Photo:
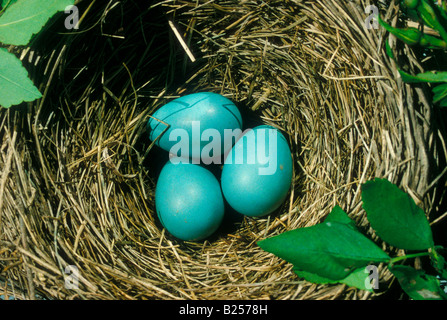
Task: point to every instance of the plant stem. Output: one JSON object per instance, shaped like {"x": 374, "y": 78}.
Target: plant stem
{"x": 408, "y": 256}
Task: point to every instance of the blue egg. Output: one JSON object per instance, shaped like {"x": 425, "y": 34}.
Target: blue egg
{"x": 189, "y": 201}
{"x": 257, "y": 172}
{"x": 198, "y": 124}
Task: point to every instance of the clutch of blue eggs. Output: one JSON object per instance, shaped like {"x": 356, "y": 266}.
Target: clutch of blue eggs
{"x": 204, "y": 129}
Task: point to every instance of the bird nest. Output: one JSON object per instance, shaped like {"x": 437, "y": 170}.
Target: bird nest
{"x": 79, "y": 172}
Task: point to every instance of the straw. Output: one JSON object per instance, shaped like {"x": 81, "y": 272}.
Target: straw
{"x": 78, "y": 172}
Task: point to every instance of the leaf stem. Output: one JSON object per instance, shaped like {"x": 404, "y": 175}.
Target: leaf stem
{"x": 408, "y": 256}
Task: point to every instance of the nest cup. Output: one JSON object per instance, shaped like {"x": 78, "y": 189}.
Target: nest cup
{"x": 77, "y": 212}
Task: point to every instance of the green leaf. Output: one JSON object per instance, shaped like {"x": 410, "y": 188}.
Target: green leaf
{"x": 411, "y": 13}
{"x": 440, "y": 89}
{"x": 438, "y": 261}
{"x": 357, "y": 278}
{"x": 338, "y": 215}
{"x": 431, "y": 15}
{"x": 417, "y": 284}
{"x": 395, "y": 217}
{"x": 26, "y": 18}
{"x": 431, "y": 42}
{"x": 440, "y": 92}
{"x": 312, "y": 277}
{"x": 431, "y": 77}
{"x": 6, "y": 3}
{"x": 410, "y": 36}
{"x": 329, "y": 250}
{"x": 389, "y": 51}
{"x": 442, "y": 9}
{"x": 15, "y": 86}
{"x": 413, "y": 36}
{"x": 443, "y": 102}
{"x": 426, "y": 14}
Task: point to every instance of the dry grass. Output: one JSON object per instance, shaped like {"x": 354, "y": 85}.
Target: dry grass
{"x": 78, "y": 174}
